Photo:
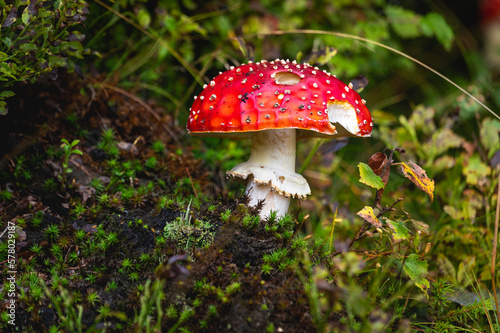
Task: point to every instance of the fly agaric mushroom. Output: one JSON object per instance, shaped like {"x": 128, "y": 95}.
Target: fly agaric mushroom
{"x": 274, "y": 103}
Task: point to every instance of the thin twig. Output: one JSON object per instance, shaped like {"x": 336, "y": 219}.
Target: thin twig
{"x": 494, "y": 250}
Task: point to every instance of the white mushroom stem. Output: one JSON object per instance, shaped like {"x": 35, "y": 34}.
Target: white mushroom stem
{"x": 270, "y": 171}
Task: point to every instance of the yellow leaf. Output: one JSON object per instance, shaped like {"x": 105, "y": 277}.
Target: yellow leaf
{"x": 368, "y": 214}
{"x": 418, "y": 176}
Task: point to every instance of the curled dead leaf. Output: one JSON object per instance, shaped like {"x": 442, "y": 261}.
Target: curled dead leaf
{"x": 377, "y": 162}
{"x": 418, "y": 177}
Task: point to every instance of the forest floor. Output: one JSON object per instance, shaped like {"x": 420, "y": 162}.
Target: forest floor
{"x": 91, "y": 226}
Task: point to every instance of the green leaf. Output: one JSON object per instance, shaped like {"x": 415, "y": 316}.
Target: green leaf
{"x": 466, "y": 271}
{"x": 399, "y": 231}
{"x": 403, "y": 21}
{"x": 417, "y": 271}
{"x": 28, "y": 47}
{"x": 27, "y": 14}
{"x": 447, "y": 268}
{"x": 489, "y": 133}
{"x": 7, "y": 41}
{"x": 368, "y": 177}
{"x": 55, "y": 61}
{"x": 6, "y": 94}
{"x": 144, "y": 18}
{"x": 4, "y": 109}
{"x": 3, "y": 56}
{"x": 475, "y": 170}
{"x": 435, "y": 24}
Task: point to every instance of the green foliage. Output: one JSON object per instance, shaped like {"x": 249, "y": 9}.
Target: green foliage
{"x": 37, "y": 39}
{"x": 379, "y": 270}
{"x": 407, "y": 24}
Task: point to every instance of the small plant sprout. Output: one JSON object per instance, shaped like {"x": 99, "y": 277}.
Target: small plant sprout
{"x": 68, "y": 150}
{"x": 52, "y": 232}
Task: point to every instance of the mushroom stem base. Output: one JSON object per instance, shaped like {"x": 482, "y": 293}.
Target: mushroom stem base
{"x": 273, "y": 201}
{"x": 270, "y": 171}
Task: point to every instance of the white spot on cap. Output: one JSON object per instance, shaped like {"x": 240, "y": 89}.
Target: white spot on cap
{"x": 204, "y": 86}
{"x": 195, "y": 97}
{"x": 244, "y": 80}
{"x": 363, "y": 101}
{"x": 343, "y": 95}
{"x": 315, "y": 85}
{"x": 230, "y": 78}
{"x": 328, "y": 81}
{"x": 350, "y": 85}
{"x": 202, "y": 97}
{"x": 212, "y": 83}
{"x": 212, "y": 97}
{"x": 346, "y": 88}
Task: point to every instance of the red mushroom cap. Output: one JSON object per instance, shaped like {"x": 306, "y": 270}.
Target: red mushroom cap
{"x": 275, "y": 95}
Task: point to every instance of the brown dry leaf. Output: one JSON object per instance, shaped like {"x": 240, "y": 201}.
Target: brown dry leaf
{"x": 418, "y": 177}
{"x": 368, "y": 214}
{"x": 377, "y": 162}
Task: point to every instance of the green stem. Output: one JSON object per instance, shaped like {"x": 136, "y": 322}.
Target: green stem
{"x": 310, "y": 156}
